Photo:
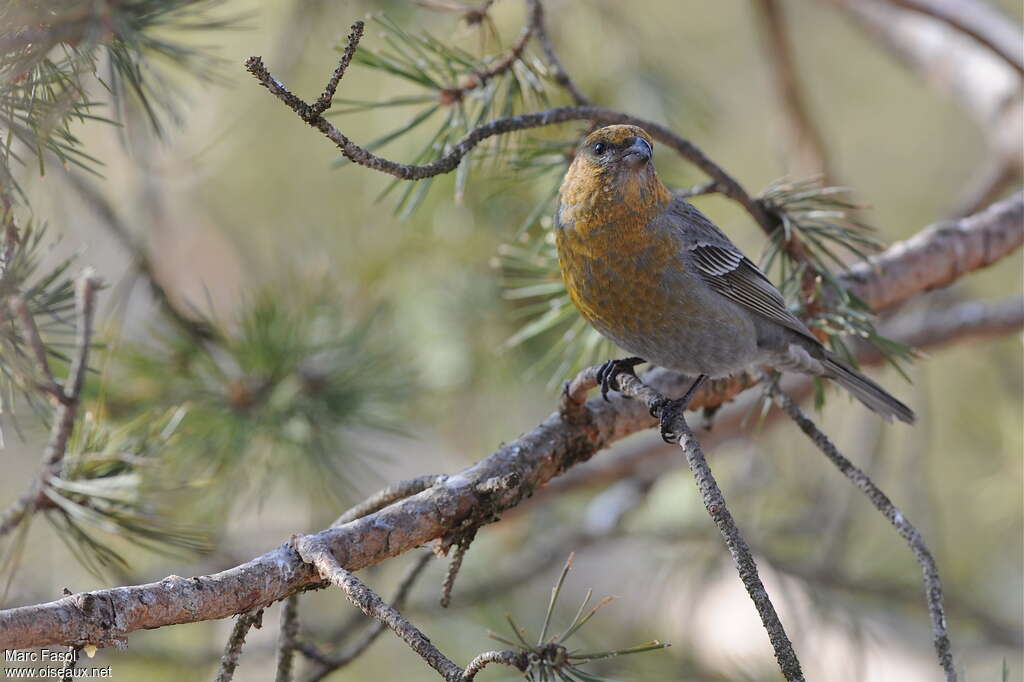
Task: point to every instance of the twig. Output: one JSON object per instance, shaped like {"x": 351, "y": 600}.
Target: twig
{"x": 233, "y": 649}
{"x": 782, "y": 64}
{"x": 561, "y": 75}
{"x": 500, "y": 66}
{"x": 514, "y": 659}
{"x": 453, "y": 567}
{"x": 393, "y": 493}
{"x": 932, "y": 584}
{"x": 714, "y": 502}
{"x": 140, "y": 257}
{"x": 287, "y": 636}
{"x": 709, "y": 187}
{"x": 331, "y": 661}
{"x": 449, "y": 161}
{"x": 314, "y": 551}
{"x": 64, "y": 418}
{"x": 978, "y": 20}
{"x": 323, "y": 102}
{"x": 69, "y": 668}
{"x": 35, "y": 341}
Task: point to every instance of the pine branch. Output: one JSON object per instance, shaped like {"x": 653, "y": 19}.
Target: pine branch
{"x": 939, "y": 255}
{"x": 502, "y": 126}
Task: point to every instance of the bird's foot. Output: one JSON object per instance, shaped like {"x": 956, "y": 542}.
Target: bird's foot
{"x": 670, "y": 412}
{"x": 607, "y": 373}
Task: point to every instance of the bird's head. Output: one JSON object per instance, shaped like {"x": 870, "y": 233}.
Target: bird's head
{"x": 618, "y": 150}
{"x": 614, "y": 164}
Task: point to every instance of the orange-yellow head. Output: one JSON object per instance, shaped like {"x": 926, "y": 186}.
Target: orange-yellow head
{"x": 612, "y": 174}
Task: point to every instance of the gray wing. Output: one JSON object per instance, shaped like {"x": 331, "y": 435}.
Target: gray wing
{"x": 726, "y": 270}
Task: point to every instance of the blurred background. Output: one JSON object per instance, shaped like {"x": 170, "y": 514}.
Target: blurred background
{"x": 399, "y": 304}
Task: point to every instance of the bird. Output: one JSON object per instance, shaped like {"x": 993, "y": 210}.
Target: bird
{"x": 654, "y": 275}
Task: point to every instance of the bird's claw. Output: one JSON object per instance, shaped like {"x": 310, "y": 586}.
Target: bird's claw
{"x": 670, "y": 412}
{"x": 607, "y": 373}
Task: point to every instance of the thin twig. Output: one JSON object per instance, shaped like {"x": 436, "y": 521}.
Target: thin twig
{"x": 393, "y": 493}
{"x": 453, "y": 567}
{"x": 449, "y": 161}
{"x": 932, "y": 584}
{"x": 323, "y": 102}
{"x": 35, "y": 341}
{"x": 314, "y": 551}
{"x": 514, "y": 659}
{"x": 143, "y": 264}
{"x": 498, "y": 67}
{"x": 714, "y": 502}
{"x": 11, "y": 233}
{"x": 782, "y": 64}
{"x": 35, "y": 498}
{"x": 561, "y": 75}
{"x": 69, "y": 668}
{"x": 333, "y": 660}
{"x": 709, "y": 187}
{"x": 978, "y": 20}
{"x": 233, "y": 649}
{"x": 287, "y": 636}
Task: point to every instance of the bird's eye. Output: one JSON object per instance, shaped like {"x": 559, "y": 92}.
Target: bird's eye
{"x": 600, "y": 148}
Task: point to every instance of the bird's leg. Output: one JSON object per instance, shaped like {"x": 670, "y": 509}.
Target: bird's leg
{"x": 668, "y": 411}
{"x": 607, "y": 373}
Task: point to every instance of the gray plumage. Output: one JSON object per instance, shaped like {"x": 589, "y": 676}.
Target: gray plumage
{"x": 751, "y": 325}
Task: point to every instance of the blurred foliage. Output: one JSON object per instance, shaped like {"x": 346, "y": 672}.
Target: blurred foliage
{"x": 288, "y": 382}
{"x": 111, "y": 481}
{"x": 52, "y": 52}
{"x": 48, "y": 295}
{"x": 276, "y": 399}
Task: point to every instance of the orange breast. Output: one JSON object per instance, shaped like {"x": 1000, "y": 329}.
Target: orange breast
{"x": 614, "y": 274}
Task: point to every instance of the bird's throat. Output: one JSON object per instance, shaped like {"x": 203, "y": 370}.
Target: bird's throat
{"x": 589, "y": 202}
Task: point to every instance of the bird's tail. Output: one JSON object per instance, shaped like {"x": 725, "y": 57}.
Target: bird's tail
{"x": 865, "y": 390}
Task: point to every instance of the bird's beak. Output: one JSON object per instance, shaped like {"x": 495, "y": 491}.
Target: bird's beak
{"x": 638, "y": 154}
